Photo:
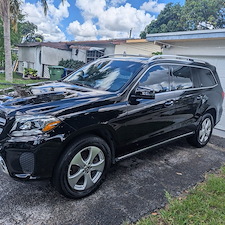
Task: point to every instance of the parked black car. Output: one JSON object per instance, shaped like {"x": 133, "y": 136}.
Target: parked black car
{"x": 72, "y": 130}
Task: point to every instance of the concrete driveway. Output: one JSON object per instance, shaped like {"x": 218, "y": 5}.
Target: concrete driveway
{"x": 134, "y": 188}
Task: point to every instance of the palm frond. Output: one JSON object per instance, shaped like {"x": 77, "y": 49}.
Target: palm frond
{"x": 14, "y": 12}
{"x": 45, "y": 6}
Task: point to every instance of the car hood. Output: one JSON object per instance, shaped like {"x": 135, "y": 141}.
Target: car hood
{"x": 48, "y": 97}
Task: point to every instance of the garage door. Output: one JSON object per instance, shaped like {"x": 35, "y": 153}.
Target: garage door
{"x": 219, "y": 63}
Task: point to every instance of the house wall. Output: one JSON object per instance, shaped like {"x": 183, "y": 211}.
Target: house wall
{"x": 40, "y": 58}
{"x": 109, "y": 50}
{"x": 212, "y": 51}
{"x": 52, "y": 56}
{"x": 81, "y": 56}
{"x": 27, "y": 58}
{"x": 146, "y": 48}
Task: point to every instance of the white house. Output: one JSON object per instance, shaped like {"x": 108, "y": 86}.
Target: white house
{"x": 208, "y": 45}
{"x": 40, "y": 56}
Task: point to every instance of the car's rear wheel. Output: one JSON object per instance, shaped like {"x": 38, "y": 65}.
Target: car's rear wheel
{"x": 203, "y": 132}
{"x": 83, "y": 167}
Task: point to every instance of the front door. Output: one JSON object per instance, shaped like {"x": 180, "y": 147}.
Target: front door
{"x": 151, "y": 120}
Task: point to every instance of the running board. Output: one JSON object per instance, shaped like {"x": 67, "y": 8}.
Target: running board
{"x": 152, "y": 146}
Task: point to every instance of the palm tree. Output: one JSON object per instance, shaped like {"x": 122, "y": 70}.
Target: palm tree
{"x": 9, "y": 11}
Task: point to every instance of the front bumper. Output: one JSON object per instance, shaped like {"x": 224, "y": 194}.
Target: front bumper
{"x": 30, "y": 157}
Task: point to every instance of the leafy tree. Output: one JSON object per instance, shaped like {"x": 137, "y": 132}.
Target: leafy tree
{"x": 168, "y": 20}
{"x": 10, "y": 10}
{"x": 195, "y": 14}
{"x": 23, "y": 28}
{"x": 203, "y": 14}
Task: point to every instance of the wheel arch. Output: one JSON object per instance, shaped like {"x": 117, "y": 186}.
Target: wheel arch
{"x": 212, "y": 112}
{"x": 104, "y": 132}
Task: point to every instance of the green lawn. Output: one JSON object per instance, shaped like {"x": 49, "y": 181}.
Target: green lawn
{"x": 17, "y": 79}
{"x": 204, "y": 204}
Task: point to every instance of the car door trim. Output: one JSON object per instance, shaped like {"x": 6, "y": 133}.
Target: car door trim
{"x": 152, "y": 146}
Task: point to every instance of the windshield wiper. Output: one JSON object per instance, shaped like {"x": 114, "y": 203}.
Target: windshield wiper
{"x": 81, "y": 84}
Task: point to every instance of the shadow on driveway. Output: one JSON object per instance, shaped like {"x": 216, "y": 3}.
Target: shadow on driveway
{"x": 134, "y": 188}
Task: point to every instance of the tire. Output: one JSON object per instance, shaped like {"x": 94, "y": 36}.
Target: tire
{"x": 82, "y": 168}
{"x": 203, "y": 132}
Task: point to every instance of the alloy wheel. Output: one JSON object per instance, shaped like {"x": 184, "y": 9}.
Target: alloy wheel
{"x": 205, "y": 131}
{"x": 86, "y": 168}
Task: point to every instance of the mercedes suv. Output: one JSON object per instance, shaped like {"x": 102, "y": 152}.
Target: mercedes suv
{"x": 73, "y": 130}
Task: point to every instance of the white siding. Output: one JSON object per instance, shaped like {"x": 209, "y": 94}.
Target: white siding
{"x": 146, "y": 48}
{"x": 52, "y": 56}
{"x": 81, "y": 56}
{"x": 28, "y": 57}
{"x": 27, "y": 54}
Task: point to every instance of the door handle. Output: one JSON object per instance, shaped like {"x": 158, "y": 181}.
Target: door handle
{"x": 199, "y": 97}
{"x": 169, "y": 103}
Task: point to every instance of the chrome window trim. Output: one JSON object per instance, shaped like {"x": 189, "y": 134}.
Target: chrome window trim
{"x": 189, "y": 89}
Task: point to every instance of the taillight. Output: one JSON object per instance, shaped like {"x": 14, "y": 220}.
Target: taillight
{"x": 223, "y": 94}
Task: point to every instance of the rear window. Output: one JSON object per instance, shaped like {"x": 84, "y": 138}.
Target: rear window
{"x": 205, "y": 77}
{"x": 181, "y": 77}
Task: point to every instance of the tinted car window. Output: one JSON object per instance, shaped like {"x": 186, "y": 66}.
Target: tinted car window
{"x": 206, "y": 78}
{"x": 107, "y": 75}
{"x": 181, "y": 77}
{"x": 156, "y": 78}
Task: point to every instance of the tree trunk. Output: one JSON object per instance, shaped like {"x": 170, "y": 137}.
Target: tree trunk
{"x": 5, "y": 12}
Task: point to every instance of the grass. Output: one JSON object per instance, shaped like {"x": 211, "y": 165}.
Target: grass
{"x": 17, "y": 79}
{"x": 203, "y": 205}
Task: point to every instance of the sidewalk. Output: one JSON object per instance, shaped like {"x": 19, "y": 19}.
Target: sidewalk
{"x": 219, "y": 132}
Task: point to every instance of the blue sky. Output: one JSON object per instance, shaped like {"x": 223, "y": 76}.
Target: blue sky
{"x": 93, "y": 19}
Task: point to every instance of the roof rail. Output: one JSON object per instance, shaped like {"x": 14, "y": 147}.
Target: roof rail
{"x": 124, "y": 55}
{"x": 177, "y": 57}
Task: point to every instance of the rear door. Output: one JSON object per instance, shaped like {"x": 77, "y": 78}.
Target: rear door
{"x": 187, "y": 97}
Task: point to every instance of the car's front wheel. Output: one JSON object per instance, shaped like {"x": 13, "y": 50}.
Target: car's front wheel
{"x": 83, "y": 167}
{"x": 203, "y": 133}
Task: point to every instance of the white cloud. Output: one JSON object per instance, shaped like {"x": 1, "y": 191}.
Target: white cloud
{"x": 85, "y": 31}
{"x": 153, "y": 6}
{"x": 49, "y": 25}
{"x": 91, "y": 9}
{"x": 111, "y": 22}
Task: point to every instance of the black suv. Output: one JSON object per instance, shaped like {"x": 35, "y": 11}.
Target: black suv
{"x": 72, "y": 130}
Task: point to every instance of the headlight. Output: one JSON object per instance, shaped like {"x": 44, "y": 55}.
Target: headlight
{"x": 33, "y": 125}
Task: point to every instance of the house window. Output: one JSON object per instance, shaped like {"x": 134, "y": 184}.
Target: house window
{"x": 94, "y": 54}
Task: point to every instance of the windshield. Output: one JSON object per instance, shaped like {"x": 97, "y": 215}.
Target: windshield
{"x": 107, "y": 75}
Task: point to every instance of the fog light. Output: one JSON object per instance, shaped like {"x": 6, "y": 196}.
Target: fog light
{"x": 27, "y": 162}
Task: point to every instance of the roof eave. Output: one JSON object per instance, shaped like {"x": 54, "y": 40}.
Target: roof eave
{"x": 187, "y": 35}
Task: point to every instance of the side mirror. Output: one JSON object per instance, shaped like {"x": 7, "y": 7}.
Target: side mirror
{"x": 143, "y": 93}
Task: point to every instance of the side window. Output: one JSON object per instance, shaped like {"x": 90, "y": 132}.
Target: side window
{"x": 181, "y": 77}
{"x": 205, "y": 77}
{"x": 156, "y": 78}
